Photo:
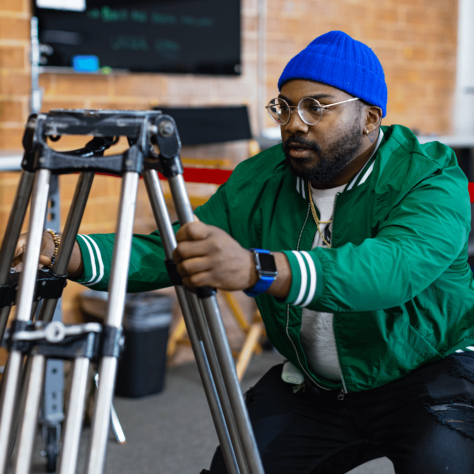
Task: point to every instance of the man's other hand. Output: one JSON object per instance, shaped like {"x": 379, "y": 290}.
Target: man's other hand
{"x": 46, "y": 251}
{"x": 74, "y": 269}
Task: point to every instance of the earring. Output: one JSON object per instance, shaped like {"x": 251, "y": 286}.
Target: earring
{"x": 366, "y": 132}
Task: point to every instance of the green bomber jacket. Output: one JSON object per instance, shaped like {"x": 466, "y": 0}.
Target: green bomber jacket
{"x": 396, "y": 277}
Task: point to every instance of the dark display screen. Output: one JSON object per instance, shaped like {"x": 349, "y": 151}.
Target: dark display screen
{"x": 267, "y": 262}
{"x": 178, "y": 36}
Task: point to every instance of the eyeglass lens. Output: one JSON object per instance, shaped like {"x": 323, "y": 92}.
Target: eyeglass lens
{"x": 309, "y": 110}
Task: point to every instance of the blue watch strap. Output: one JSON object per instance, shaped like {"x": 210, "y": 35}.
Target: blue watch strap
{"x": 261, "y": 286}
{"x": 263, "y": 282}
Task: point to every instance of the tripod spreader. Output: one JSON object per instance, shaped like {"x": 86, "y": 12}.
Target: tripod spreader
{"x": 68, "y": 342}
{"x": 48, "y": 285}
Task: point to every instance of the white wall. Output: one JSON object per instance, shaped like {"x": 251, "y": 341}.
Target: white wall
{"x": 464, "y": 98}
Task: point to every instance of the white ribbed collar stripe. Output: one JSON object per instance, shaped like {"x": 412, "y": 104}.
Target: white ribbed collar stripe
{"x": 304, "y": 278}
{"x": 300, "y": 187}
{"x": 354, "y": 180}
{"x": 92, "y": 257}
{"x": 371, "y": 168}
{"x": 313, "y": 279}
{"x": 366, "y": 175}
{"x": 99, "y": 258}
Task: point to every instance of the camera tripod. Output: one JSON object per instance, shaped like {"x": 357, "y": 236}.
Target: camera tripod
{"x": 38, "y": 341}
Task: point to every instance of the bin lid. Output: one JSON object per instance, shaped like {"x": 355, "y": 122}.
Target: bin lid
{"x": 143, "y": 311}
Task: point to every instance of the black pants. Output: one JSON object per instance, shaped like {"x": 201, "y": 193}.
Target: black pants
{"x": 424, "y": 423}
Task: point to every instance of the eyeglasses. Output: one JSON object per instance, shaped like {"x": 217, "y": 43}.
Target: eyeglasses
{"x": 309, "y": 110}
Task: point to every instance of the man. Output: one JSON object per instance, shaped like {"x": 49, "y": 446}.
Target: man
{"x": 373, "y": 302}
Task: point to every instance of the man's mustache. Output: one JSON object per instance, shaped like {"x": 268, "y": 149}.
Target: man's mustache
{"x": 290, "y": 142}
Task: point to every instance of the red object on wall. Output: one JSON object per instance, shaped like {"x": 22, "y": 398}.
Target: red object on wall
{"x": 471, "y": 191}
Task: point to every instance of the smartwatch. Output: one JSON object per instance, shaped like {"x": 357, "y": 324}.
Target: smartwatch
{"x": 266, "y": 269}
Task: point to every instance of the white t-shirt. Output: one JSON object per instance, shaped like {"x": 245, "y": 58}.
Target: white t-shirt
{"x": 317, "y": 334}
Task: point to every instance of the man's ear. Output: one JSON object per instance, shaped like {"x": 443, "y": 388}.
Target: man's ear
{"x": 373, "y": 118}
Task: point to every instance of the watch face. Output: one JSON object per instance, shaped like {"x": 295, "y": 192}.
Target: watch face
{"x": 267, "y": 262}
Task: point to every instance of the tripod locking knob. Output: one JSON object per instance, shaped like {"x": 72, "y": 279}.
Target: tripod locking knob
{"x": 55, "y": 332}
{"x": 166, "y": 129}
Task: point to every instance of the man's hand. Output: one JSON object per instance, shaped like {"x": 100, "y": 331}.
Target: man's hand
{"x": 74, "y": 269}
{"x": 208, "y": 256}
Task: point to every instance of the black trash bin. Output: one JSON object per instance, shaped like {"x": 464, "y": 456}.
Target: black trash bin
{"x": 146, "y": 322}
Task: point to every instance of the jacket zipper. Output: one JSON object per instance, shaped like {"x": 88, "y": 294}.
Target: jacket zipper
{"x": 288, "y": 308}
{"x": 344, "y": 389}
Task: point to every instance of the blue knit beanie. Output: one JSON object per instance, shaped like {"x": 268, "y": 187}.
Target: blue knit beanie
{"x": 342, "y": 62}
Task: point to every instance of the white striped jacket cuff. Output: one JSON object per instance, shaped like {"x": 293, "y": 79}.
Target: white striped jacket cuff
{"x": 92, "y": 259}
{"x": 306, "y": 280}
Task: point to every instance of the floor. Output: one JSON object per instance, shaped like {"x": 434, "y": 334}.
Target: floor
{"x": 172, "y": 433}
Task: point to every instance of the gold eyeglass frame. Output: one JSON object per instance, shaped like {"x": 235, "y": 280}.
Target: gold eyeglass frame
{"x": 323, "y": 108}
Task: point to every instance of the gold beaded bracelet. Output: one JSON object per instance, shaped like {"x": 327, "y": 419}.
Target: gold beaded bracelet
{"x": 57, "y": 241}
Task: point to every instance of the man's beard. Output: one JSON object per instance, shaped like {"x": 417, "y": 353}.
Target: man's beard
{"x": 330, "y": 163}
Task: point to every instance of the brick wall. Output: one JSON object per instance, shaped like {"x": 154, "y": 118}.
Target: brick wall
{"x": 415, "y": 41}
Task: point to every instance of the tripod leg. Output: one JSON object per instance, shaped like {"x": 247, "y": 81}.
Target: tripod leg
{"x": 117, "y": 427}
{"x": 165, "y": 228}
{"x": 33, "y": 244}
{"x": 35, "y": 378}
{"x": 219, "y": 381}
{"x": 217, "y": 400}
{"x": 12, "y": 233}
{"x": 113, "y": 318}
{"x": 114, "y": 420}
{"x": 4, "y": 314}
{"x": 68, "y": 239}
{"x": 24, "y": 300}
{"x": 214, "y": 320}
{"x": 73, "y": 425}
{"x": 15, "y": 222}
{"x": 231, "y": 381}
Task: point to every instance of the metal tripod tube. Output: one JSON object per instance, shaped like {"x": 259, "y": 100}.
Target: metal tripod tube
{"x": 15, "y": 221}
{"x": 221, "y": 344}
{"x": 113, "y": 317}
{"x": 117, "y": 427}
{"x": 168, "y": 239}
{"x": 4, "y": 314}
{"x": 73, "y": 425}
{"x": 224, "y": 354}
{"x": 13, "y": 370}
{"x": 68, "y": 239}
{"x": 12, "y": 232}
{"x": 114, "y": 420}
{"x": 34, "y": 382}
{"x": 180, "y": 199}
{"x": 218, "y": 403}
{"x": 220, "y": 385}
{"x": 39, "y": 204}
